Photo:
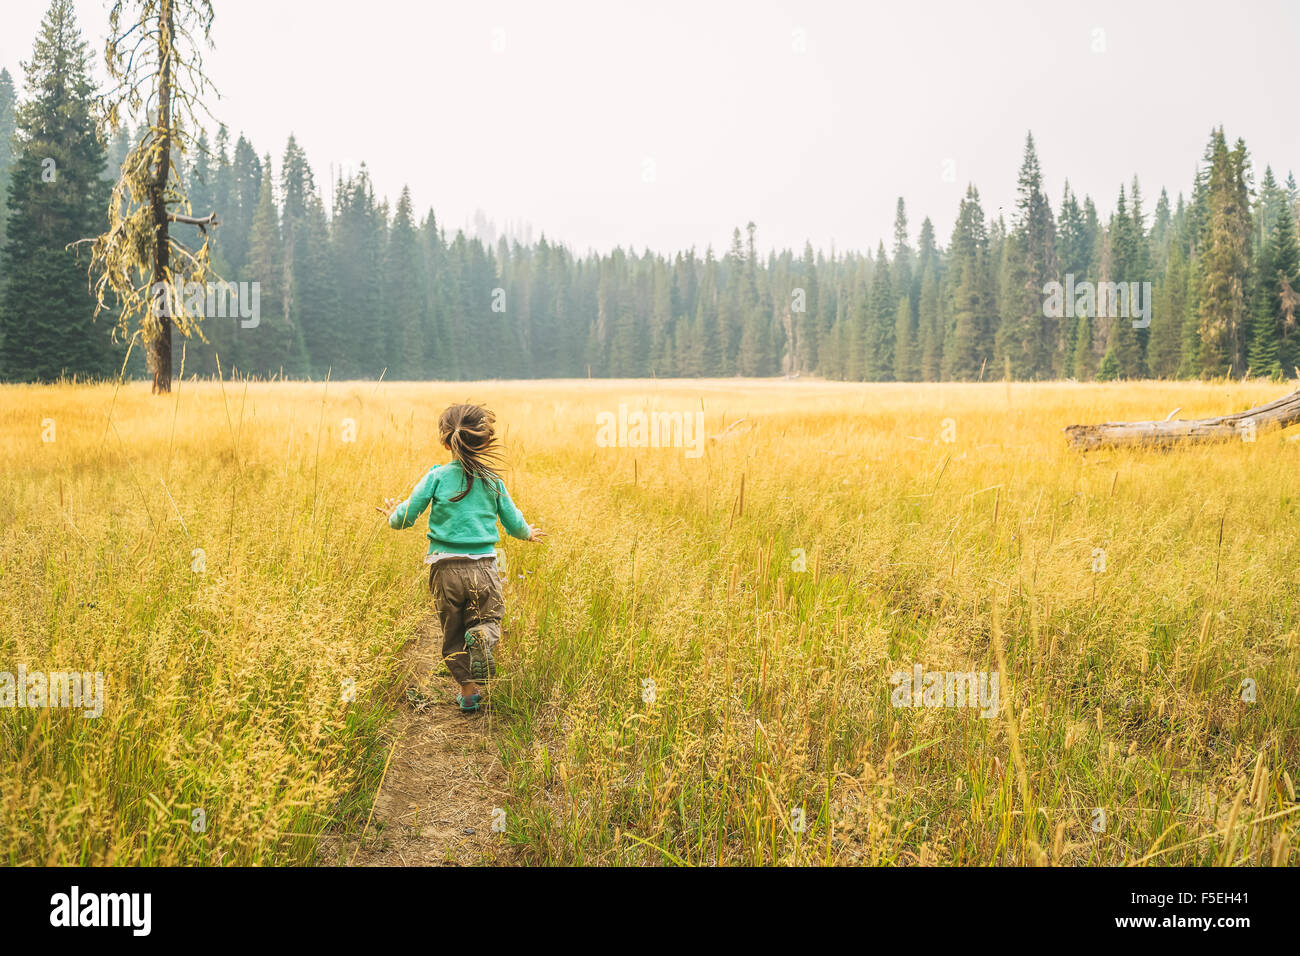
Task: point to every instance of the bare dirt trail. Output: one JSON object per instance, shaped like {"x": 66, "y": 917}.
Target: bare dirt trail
{"x": 444, "y": 779}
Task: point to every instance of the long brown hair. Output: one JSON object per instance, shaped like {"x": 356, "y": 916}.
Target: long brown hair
{"x": 467, "y": 430}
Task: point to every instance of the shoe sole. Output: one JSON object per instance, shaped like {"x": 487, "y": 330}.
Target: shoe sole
{"x": 481, "y": 664}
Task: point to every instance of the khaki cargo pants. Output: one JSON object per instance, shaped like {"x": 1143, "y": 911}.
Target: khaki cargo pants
{"x": 466, "y": 594}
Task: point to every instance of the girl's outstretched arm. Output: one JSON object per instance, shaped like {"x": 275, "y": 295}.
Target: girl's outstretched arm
{"x": 511, "y": 517}
{"x": 406, "y": 513}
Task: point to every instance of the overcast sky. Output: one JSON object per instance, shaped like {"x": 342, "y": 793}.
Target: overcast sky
{"x": 666, "y": 124}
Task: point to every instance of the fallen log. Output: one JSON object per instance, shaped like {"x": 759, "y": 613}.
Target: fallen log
{"x": 1241, "y": 426}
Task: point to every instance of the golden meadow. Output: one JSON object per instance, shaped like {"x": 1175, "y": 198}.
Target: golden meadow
{"x": 216, "y": 553}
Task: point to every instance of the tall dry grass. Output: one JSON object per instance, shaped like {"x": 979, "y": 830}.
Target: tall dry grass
{"x": 1122, "y": 736}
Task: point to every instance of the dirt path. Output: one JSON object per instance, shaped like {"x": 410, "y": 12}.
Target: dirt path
{"x": 435, "y": 806}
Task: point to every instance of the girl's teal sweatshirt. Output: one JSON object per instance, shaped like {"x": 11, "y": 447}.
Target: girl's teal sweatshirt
{"x": 468, "y": 526}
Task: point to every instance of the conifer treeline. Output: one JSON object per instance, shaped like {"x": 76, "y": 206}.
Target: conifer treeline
{"x": 358, "y": 288}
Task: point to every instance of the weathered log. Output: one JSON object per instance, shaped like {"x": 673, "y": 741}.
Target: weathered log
{"x": 1241, "y": 426}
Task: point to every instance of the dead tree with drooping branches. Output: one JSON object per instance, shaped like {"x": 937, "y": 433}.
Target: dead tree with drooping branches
{"x": 154, "y": 59}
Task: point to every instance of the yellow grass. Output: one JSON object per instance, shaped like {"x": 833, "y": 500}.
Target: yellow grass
{"x": 1122, "y": 734}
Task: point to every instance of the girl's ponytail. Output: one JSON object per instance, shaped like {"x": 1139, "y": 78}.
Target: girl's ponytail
{"x": 467, "y": 430}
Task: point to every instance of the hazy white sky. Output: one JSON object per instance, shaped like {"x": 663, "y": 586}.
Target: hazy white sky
{"x": 666, "y": 124}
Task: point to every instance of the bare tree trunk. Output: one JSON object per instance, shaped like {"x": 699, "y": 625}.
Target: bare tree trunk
{"x": 1240, "y": 426}
{"x": 160, "y": 349}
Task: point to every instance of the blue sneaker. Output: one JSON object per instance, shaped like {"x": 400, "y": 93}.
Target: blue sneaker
{"x": 470, "y": 705}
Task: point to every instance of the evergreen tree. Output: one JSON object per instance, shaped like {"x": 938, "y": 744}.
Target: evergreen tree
{"x": 245, "y": 192}
{"x": 440, "y": 358}
{"x": 1223, "y": 261}
{"x": 404, "y": 296}
{"x": 1115, "y": 306}
{"x": 629, "y": 338}
{"x": 907, "y": 283}
{"x": 201, "y": 178}
{"x": 858, "y": 320}
{"x": 968, "y": 342}
{"x": 56, "y": 196}
{"x": 1273, "y": 347}
{"x": 905, "y": 346}
{"x": 1042, "y": 348}
{"x": 358, "y": 338}
{"x": 275, "y": 346}
{"x": 8, "y": 103}
{"x": 929, "y": 322}
{"x": 308, "y": 295}
{"x": 1074, "y": 242}
{"x": 1021, "y": 338}
{"x": 884, "y": 309}
{"x": 807, "y": 323}
{"x": 662, "y": 352}
{"x": 1085, "y": 351}
{"x": 1160, "y": 233}
{"x": 1169, "y": 314}
{"x": 706, "y": 356}
{"x": 223, "y": 198}
{"x": 755, "y": 350}
{"x": 736, "y": 302}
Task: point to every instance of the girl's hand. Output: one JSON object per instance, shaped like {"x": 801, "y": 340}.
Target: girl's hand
{"x": 390, "y": 505}
{"x": 537, "y": 534}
